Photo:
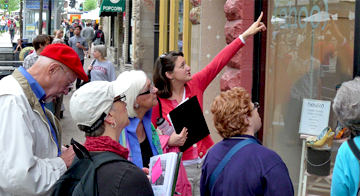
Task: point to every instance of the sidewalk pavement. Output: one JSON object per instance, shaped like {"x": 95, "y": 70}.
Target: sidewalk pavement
{"x": 5, "y": 39}
{"x": 5, "y": 42}
{"x": 70, "y": 129}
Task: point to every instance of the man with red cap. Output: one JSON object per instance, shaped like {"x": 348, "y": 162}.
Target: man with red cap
{"x": 30, "y": 136}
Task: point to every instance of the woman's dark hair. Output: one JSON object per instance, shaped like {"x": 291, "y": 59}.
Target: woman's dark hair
{"x": 165, "y": 63}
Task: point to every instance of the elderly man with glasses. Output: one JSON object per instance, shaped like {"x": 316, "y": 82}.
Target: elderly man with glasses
{"x": 30, "y": 135}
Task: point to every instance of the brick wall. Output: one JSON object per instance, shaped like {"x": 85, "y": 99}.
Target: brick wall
{"x": 212, "y": 40}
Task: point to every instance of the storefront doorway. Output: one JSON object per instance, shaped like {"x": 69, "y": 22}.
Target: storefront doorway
{"x": 309, "y": 52}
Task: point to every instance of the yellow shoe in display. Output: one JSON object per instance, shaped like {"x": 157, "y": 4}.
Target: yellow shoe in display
{"x": 326, "y": 137}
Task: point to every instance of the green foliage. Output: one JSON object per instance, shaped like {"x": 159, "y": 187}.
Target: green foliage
{"x": 89, "y": 5}
{"x": 13, "y": 5}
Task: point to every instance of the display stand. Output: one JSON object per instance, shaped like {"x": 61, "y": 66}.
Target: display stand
{"x": 321, "y": 184}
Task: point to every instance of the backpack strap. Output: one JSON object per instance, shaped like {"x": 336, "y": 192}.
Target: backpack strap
{"x": 88, "y": 185}
{"x": 80, "y": 150}
{"x": 227, "y": 158}
{"x": 106, "y": 157}
{"x": 356, "y": 152}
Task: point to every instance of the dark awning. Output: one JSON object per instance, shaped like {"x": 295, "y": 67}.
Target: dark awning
{"x": 111, "y": 7}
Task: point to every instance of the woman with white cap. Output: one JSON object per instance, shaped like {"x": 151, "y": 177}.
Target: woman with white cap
{"x": 99, "y": 109}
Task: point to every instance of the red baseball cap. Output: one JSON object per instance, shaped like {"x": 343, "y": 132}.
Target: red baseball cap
{"x": 67, "y": 56}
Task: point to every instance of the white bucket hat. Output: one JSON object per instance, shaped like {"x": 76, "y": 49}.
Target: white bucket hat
{"x": 90, "y": 104}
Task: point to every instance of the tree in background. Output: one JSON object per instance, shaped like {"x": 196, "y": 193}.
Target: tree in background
{"x": 89, "y": 5}
{"x": 40, "y": 16}
{"x": 21, "y": 19}
{"x": 13, "y": 5}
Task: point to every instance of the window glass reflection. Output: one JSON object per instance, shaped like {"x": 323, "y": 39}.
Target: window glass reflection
{"x": 310, "y": 52}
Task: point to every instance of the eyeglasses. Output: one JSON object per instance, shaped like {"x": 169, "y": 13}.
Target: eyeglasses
{"x": 151, "y": 90}
{"x": 256, "y": 105}
{"x": 120, "y": 98}
{"x": 69, "y": 83}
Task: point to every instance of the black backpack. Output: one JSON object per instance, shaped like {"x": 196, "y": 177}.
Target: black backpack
{"x": 80, "y": 178}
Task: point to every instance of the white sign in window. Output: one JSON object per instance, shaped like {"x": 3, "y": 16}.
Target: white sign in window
{"x": 314, "y": 116}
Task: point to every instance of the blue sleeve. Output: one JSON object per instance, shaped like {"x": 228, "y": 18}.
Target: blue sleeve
{"x": 278, "y": 181}
{"x": 340, "y": 181}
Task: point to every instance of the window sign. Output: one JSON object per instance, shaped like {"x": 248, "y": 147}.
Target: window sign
{"x": 314, "y": 116}
{"x": 30, "y": 27}
{"x": 309, "y": 53}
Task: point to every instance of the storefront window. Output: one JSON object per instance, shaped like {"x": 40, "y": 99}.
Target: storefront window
{"x": 31, "y": 19}
{"x": 310, "y": 51}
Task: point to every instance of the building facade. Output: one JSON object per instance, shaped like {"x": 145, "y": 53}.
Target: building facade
{"x": 306, "y": 52}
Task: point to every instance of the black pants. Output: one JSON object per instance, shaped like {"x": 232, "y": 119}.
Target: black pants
{"x": 78, "y": 81}
{"x": 12, "y": 34}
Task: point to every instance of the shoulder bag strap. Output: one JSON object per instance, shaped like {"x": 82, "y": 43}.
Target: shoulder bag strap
{"x": 356, "y": 152}
{"x": 80, "y": 150}
{"x": 226, "y": 159}
{"x": 106, "y": 157}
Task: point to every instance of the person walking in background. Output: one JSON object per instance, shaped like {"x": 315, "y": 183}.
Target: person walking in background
{"x": 345, "y": 177}
{"x": 17, "y": 24}
{"x": 79, "y": 44}
{"x": 58, "y": 36}
{"x": 88, "y": 34}
{"x": 31, "y": 153}
{"x": 253, "y": 169}
{"x": 2, "y": 23}
{"x": 173, "y": 79}
{"x": 99, "y": 37}
{"x": 99, "y": 109}
{"x": 77, "y": 22}
{"x": 102, "y": 70}
{"x": 69, "y": 34}
{"x": 8, "y": 21}
{"x": 96, "y": 26}
{"x": 44, "y": 26}
{"x": 12, "y": 27}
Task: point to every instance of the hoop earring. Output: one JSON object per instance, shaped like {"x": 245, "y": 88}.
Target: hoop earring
{"x": 136, "y": 106}
{"x": 113, "y": 125}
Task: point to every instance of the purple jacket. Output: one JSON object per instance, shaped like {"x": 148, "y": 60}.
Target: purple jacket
{"x": 253, "y": 170}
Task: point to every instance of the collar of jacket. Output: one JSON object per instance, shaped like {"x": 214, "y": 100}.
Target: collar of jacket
{"x": 35, "y": 105}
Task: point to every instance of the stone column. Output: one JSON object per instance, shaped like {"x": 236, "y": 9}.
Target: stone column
{"x": 120, "y": 39}
{"x": 195, "y": 18}
{"x": 126, "y": 32}
{"x": 238, "y": 72}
